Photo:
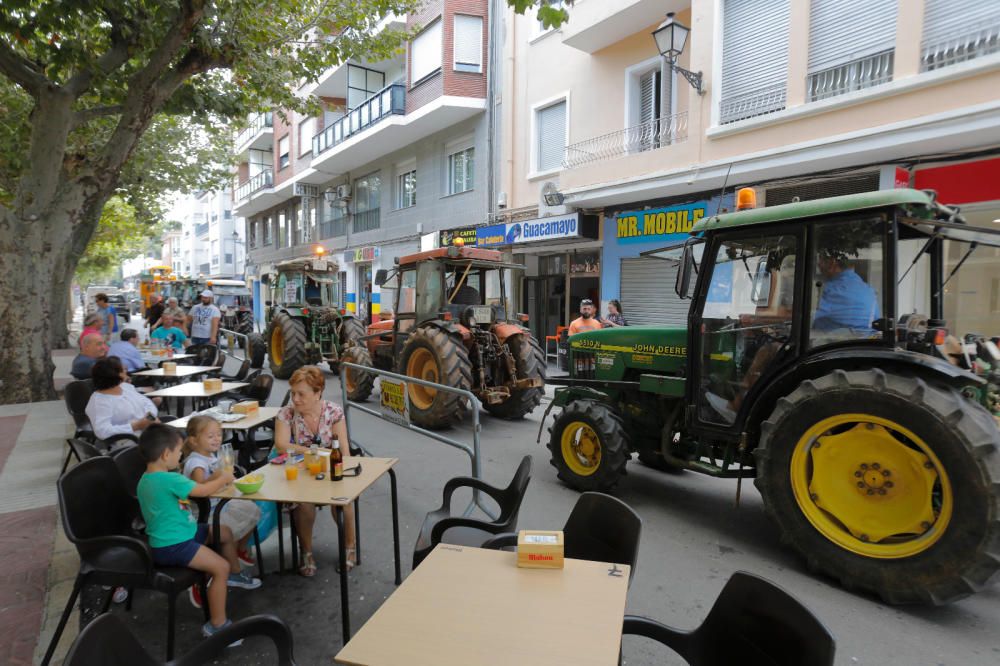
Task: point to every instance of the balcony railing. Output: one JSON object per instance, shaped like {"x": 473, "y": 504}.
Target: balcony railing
{"x": 858, "y": 74}
{"x": 750, "y": 105}
{"x": 201, "y": 230}
{"x": 366, "y": 220}
{"x": 257, "y": 125}
{"x": 973, "y": 42}
{"x": 389, "y": 101}
{"x": 333, "y": 227}
{"x": 254, "y": 183}
{"x": 639, "y": 138}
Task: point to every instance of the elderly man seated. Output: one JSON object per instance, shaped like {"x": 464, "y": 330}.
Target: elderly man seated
{"x": 92, "y": 348}
{"x": 127, "y": 350}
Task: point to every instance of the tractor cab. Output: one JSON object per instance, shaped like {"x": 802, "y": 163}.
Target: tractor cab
{"x": 305, "y": 283}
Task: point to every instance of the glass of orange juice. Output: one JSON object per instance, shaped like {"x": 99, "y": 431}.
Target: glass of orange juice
{"x": 314, "y": 464}
{"x": 291, "y": 471}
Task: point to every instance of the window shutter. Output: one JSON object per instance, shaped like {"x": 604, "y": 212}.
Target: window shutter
{"x": 842, "y": 31}
{"x": 468, "y": 43}
{"x": 957, "y": 30}
{"x": 551, "y": 136}
{"x": 425, "y": 52}
{"x": 649, "y": 102}
{"x": 754, "y": 58}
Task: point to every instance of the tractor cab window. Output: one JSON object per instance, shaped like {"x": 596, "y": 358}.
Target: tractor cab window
{"x": 464, "y": 286}
{"x": 289, "y": 288}
{"x": 747, "y": 320}
{"x": 847, "y": 280}
{"x": 429, "y": 295}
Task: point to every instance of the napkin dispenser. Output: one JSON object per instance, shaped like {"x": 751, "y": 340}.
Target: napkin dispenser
{"x": 246, "y": 407}
{"x": 212, "y": 384}
{"x": 169, "y": 368}
{"x": 540, "y": 549}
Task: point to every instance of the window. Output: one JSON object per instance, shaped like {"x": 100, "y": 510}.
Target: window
{"x": 282, "y": 240}
{"x": 307, "y": 128}
{"x": 460, "y": 171}
{"x": 268, "y": 231}
{"x": 283, "y": 152}
{"x": 362, "y": 83}
{"x": 754, "y": 70}
{"x": 227, "y": 214}
{"x": 847, "y": 279}
{"x": 215, "y": 253}
{"x": 252, "y": 232}
{"x": 260, "y": 160}
{"x": 334, "y": 218}
{"x": 550, "y": 128}
{"x": 295, "y": 231}
{"x": 406, "y": 189}
{"x": 468, "y": 43}
{"x": 229, "y": 258}
{"x": 959, "y": 30}
{"x": 838, "y": 65}
{"x": 368, "y": 201}
{"x": 539, "y": 29}
{"x": 425, "y": 53}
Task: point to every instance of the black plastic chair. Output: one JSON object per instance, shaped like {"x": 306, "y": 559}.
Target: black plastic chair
{"x": 81, "y": 449}
{"x": 286, "y": 399}
{"x": 241, "y": 373}
{"x": 600, "y": 528}
{"x": 259, "y": 389}
{"x": 108, "y": 641}
{"x": 97, "y": 517}
{"x": 752, "y": 622}
{"x": 204, "y": 354}
{"x": 77, "y": 395}
{"x": 440, "y": 526}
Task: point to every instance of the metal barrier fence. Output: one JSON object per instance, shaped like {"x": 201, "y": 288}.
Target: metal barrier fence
{"x": 395, "y": 403}
{"x": 232, "y": 347}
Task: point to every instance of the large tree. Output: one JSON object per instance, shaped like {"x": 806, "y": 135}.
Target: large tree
{"x": 90, "y": 78}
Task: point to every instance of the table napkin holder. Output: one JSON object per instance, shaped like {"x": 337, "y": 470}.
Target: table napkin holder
{"x": 540, "y": 549}
{"x": 246, "y": 407}
{"x": 212, "y": 384}
{"x": 169, "y": 368}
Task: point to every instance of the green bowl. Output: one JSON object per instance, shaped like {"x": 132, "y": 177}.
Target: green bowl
{"x": 249, "y": 487}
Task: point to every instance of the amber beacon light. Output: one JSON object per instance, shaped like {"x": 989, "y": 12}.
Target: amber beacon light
{"x": 746, "y": 198}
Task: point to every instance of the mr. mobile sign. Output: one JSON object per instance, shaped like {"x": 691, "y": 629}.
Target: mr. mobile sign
{"x": 645, "y": 225}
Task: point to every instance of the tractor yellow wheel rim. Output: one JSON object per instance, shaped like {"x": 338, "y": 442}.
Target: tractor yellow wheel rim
{"x": 871, "y": 486}
{"x": 581, "y": 448}
{"x": 422, "y": 365}
{"x": 277, "y": 346}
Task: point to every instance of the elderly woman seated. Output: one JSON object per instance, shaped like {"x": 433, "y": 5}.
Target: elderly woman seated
{"x": 116, "y": 408}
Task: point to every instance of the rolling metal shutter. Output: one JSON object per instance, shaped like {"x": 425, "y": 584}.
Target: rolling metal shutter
{"x": 754, "y": 70}
{"x": 551, "y": 136}
{"x": 841, "y": 31}
{"x": 958, "y": 30}
{"x": 647, "y": 292}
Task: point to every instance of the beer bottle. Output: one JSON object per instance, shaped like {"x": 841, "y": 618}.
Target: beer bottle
{"x": 336, "y": 463}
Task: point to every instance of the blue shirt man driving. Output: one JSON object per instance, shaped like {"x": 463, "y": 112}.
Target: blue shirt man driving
{"x": 847, "y": 301}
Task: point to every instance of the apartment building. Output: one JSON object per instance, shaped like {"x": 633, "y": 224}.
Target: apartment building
{"x": 210, "y": 243}
{"x": 799, "y": 98}
{"x": 399, "y": 152}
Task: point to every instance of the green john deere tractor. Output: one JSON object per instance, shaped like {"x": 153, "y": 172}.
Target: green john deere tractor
{"x": 817, "y": 362}
{"x": 305, "y": 326}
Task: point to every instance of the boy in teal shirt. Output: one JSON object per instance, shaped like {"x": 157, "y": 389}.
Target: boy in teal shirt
{"x": 169, "y": 333}
{"x": 175, "y": 537}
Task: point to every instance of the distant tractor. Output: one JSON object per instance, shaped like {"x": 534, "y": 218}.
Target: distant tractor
{"x": 448, "y": 333}
{"x": 234, "y": 300}
{"x": 304, "y": 323}
{"x": 807, "y": 365}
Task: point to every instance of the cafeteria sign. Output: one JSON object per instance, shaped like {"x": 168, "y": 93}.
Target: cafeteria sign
{"x": 658, "y": 223}
{"x": 395, "y": 401}
{"x": 447, "y": 237}
{"x": 541, "y": 229}
{"x": 361, "y": 254}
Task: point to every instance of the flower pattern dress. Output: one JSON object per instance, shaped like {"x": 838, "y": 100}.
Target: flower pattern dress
{"x": 330, "y": 414}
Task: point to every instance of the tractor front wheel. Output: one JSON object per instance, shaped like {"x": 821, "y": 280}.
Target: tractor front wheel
{"x": 589, "y": 446}
{"x": 433, "y": 355}
{"x": 359, "y": 384}
{"x": 351, "y": 332}
{"x": 286, "y": 345}
{"x": 885, "y": 482}
{"x": 529, "y": 362}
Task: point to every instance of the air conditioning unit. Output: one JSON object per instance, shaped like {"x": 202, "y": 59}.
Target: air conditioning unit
{"x": 343, "y": 191}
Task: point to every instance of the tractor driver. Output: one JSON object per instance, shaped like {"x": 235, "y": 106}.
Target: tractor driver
{"x": 847, "y": 303}
{"x": 466, "y": 294}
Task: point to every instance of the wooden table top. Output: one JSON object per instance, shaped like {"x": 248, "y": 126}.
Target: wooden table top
{"x": 194, "y": 390}
{"x": 150, "y": 357}
{"x": 262, "y": 415}
{"x": 307, "y": 489}
{"x": 181, "y": 371}
{"x": 466, "y": 605}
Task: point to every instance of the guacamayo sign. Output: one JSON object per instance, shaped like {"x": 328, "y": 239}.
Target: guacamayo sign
{"x": 641, "y": 226}
{"x": 542, "y": 229}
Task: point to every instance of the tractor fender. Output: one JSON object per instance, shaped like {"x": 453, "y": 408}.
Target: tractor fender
{"x": 451, "y": 328}
{"x": 763, "y": 399}
{"x": 504, "y": 331}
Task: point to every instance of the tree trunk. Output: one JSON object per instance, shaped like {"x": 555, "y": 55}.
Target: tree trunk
{"x": 59, "y": 328}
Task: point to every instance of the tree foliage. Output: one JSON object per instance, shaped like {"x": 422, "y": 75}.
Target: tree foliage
{"x": 119, "y": 235}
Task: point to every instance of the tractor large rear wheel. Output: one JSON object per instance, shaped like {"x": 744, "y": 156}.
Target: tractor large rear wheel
{"x": 351, "y": 332}
{"x": 433, "y": 355}
{"x": 589, "y": 446}
{"x": 286, "y": 345}
{"x": 529, "y": 361}
{"x": 359, "y": 384}
{"x": 886, "y": 482}
{"x": 258, "y": 350}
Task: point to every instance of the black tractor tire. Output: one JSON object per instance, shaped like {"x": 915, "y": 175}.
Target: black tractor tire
{"x": 351, "y": 331}
{"x": 258, "y": 350}
{"x": 244, "y": 323}
{"x": 442, "y": 359}
{"x": 292, "y": 356}
{"x": 529, "y": 361}
{"x": 612, "y": 438}
{"x": 965, "y": 552}
{"x": 359, "y": 385}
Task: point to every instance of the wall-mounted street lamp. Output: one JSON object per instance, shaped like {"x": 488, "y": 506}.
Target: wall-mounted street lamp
{"x": 670, "y": 38}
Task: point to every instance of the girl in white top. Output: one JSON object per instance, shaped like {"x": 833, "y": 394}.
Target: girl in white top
{"x": 115, "y": 407}
{"x": 202, "y": 462}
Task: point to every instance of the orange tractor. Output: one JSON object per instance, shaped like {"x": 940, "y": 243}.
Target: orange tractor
{"x": 446, "y": 331}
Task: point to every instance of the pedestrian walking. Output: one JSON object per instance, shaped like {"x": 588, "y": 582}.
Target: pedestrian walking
{"x": 108, "y": 314}
{"x": 203, "y": 320}
{"x": 154, "y": 311}
{"x": 615, "y": 317}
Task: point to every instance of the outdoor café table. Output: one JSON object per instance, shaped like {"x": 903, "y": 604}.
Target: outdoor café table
{"x": 466, "y": 605}
{"x": 307, "y": 489}
{"x": 153, "y": 359}
{"x": 182, "y": 372}
{"x": 193, "y": 390}
{"x": 245, "y": 425}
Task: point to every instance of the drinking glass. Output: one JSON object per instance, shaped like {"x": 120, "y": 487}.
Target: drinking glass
{"x": 228, "y": 457}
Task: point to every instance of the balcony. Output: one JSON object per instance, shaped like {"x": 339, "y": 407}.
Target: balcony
{"x": 649, "y": 135}
{"x": 258, "y": 135}
{"x": 389, "y": 101}
{"x": 965, "y": 43}
{"x": 597, "y": 24}
{"x": 201, "y": 230}
{"x": 858, "y": 74}
{"x": 254, "y": 184}
{"x": 333, "y": 81}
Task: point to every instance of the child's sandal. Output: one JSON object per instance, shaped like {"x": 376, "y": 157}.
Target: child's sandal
{"x": 308, "y": 568}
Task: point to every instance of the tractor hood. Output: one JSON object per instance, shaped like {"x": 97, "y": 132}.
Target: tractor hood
{"x": 657, "y": 348}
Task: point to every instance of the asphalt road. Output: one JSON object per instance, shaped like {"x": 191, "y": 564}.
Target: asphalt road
{"x": 693, "y": 539}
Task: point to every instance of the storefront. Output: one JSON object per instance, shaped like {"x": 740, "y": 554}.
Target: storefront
{"x": 358, "y": 296}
